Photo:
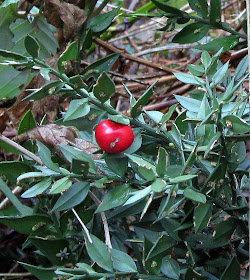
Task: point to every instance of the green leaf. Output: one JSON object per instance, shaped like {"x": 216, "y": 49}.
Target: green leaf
{"x": 138, "y": 195}
{"x": 29, "y": 175}
{"x": 40, "y": 272}
{"x": 236, "y": 124}
{"x": 31, "y": 46}
{"x": 188, "y": 103}
{"x": 28, "y": 122}
{"x": 224, "y": 231}
{"x": 104, "y": 88}
{"x": 232, "y": 270}
{"x": 162, "y": 244}
{"x": 212, "y": 142}
{"x": 161, "y": 163}
{"x": 45, "y": 156}
{"x": 145, "y": 168}
{"x": 158, "y": 185}
{"x": 72, "y": 197}
{"x": 215, "y": 12}
{"x": 77, "y": 108}
{"x": 219, "y": 75}
{"x": 180, "y": 179}
{"x": 170, "y": 268}
{"x": 189, "y": 79}
{"x": 167, "y": 8}
{"x": 196, "y": 70}
{"x": 99, "y": 253}
{"x": 28, "y": 224}
{"x": 191, "y": 33}
{"x": 38, "y": 188}
{"x": 21, "y": 208}
{"x": 122, "y": 261}
{"x": 200, "y": 6}
{"x": 102, "y": 21}
{"x": 39, "y": 29}
{"x": 206, "y": 59}
{"x": 61, "y": 185}
{"x": 114, "y": 198}
{"x": 48, "y": 89}
{"x": 136, "y": 109}
{"x": 166, "y": 117}
{"x": 104, "y": 64}
{"x": 12, "y": 55}
{"x": 70, "y": 53}
{"x": 117, "y": 165}
{"x": 50, "y": 248}
{"x": 80, "y": 167}
{"x": 73, "y": 153}
{"x": 202, "y": 216}
{"x": 227, "y": 43}
{"x": 119, "y": 119}
{"x": 194, "y": 195}
{"x": 241, "y": 68}
{"x": 12, "y": 169}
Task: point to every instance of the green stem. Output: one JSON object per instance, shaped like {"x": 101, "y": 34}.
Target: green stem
{"x": 109, "y": 109}
{"x": 220, "y": 25}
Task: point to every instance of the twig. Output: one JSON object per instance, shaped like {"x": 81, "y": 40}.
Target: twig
{"x": 171, "y": 47}
{"x": 133, "y": 58}
{"x": 104, "y": 220}
{"x": 21, "y": 149}
{"x": 16, "y": 190}
{"x": 83, "y": 225}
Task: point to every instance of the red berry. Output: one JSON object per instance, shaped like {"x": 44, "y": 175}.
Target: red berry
{"x": 113, "y": 137}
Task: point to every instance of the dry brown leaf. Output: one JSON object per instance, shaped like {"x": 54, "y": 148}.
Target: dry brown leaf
{"x": 53, "y": 135}
{"x": 67, "y": 17}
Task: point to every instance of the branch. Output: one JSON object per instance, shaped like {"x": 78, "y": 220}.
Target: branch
{"x": 21, "y": 149}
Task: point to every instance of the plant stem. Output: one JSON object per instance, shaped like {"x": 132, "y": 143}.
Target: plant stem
{"x": 21, "y": 149}
{"x": 103, "y": 106}
{"x": 220, "y": 26}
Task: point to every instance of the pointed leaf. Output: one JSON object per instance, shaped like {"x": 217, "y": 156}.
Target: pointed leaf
{"x": 72, "y": 197}
{"x": 114, "y": 198}
{"x": 45, "y": 156}
{"x": 77, "y": 108}
{"x": 202, "y": 216}
{"x": 189, "y": 79}
{"x": 215, "y": 12}
{"x": 200, "y": 6}
{"x": 232, "y": 270}
{"x": 104, "y": 88}
{"x": 70, "y": 53}
{"x": 138, "y": 195}
{"x": 38, "y": 188}
{"x": 236, "y": 124}
{"x": 136, "y": 109}
{"x": 194, "y": 195}
{"x": 28, "y": 122}
{"x": 191, "y": 33}
{"x": 61, "y": 185}
{"x": 227, "y": 43}
{"x": 31, "y": 46}
{"x": 99, "y": 253}
{"x": 40, "y": 272}
{"x": 161, "y": 163}
{"x": 122, "y": 261}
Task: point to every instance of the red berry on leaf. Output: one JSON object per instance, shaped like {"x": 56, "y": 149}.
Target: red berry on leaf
{"x": 113, "y": 137}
